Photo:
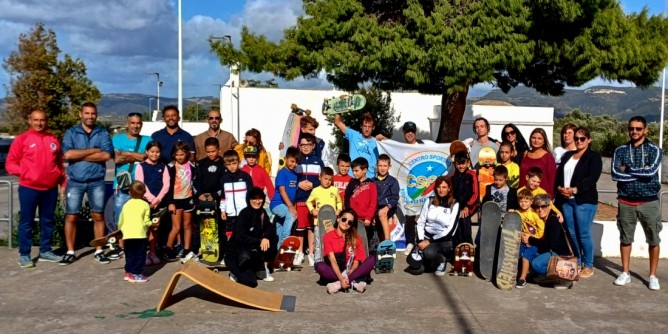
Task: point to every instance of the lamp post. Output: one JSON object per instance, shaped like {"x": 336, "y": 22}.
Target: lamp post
{"x": 150, "y": 99}
{"x": 233, "y": 69}
{"x": 158, "y": 85}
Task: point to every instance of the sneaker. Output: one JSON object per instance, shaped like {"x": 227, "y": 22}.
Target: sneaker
{"x": 311, "y": 260}
{"x": 154, "y": 258}
{"x": 101, "y": 258}
{"x": 267, "y": 276}
{"x": 26, "y": 262}
{"x": 359, "y": 287}
{"x": 222, "y": 263}
{"x": 440, "y": 271}
{"x": 139, "y": 279}
{"x": 623, "y": 279}
{"x": 115, "y": 254}
{"x": 169, "y": 254}
{"x": 67, "y": 259}
{"x": 654, "y": 283}
{"x": 128, "y": 277}
{"x": 188, "y": 257}
{"x": 409, "y": 249}
{"x": 333, "y": 287}
{"x": 299, "y": 258}
{"x": 586, "y": 273}
{"x": 232, "y": 277}
{"x": 563, "y": 285}
{"x": 49, "y": 257}
{"x": 521, "y": 283}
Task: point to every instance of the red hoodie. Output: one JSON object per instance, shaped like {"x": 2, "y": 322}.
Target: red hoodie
{"x": 37, "y": 159}
{"x": 260, "y": 178}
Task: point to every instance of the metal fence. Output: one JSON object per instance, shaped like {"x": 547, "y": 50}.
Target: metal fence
{"x": 10, "y": 210}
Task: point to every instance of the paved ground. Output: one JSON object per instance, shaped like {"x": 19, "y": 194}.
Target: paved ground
{"x": 87, "y": 297}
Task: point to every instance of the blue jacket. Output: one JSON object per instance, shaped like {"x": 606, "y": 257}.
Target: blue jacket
{"x": 636, "y": 170}
{"x": 77, "y": 139}
{"x": 388, "y": 192}
{"x": 309, "y": 168}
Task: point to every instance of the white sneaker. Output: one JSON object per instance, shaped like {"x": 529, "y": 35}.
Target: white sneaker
{"x": 623, "y": 279}
{"x": 359, "y": 287}
{"x": 333, "y": 287}
{"x": 409, "y": 249}
{"x": 222, "y": 263}
{"x": 268, "y": 277}
{"x": 299, "y": 258}
{"x": 188, "y": 257}
{"x": 654, "y": 283}
{"x": 311, "y": 260}
{"x": 440, "y": 271}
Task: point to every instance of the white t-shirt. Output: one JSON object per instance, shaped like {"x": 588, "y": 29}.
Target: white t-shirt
{"x": 569, "y": 168}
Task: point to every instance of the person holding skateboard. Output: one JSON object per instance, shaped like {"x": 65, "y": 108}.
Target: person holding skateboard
{"x": 134, "y": 222}
{"x": 481, "y": 129}
{"x": 345, "y": 263}
{"x": 324, "y": 194}
{"x": 500, "y": 192}
{"x": 362, "y": 145}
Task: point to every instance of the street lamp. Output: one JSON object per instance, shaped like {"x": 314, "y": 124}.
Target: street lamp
{"x": 234, "y": 68}
{"x": 158, "y": 85}
{"x": 150, "y": 99}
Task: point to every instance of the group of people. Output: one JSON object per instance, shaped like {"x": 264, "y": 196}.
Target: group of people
{"x": 172, "y": 171}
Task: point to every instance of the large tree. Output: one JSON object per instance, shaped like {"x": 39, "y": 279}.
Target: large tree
{"x": 446, "y": 46}
{"x": 40, "y": 80}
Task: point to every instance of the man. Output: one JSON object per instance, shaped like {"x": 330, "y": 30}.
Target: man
{"x": 86, "y": 147}
{"x": 171, "y": 133}
{"x": 361, "y": 144}
{"x": 481, "y": 128}
{"x": 36, "y": 158}
{"x": 226, "y": 140}
{"x": 635, "y": 167}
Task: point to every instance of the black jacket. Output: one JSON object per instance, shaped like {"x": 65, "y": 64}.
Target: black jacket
{"x": 586, "y": 174}
{"x": 206, "y": 178}
{"x": 554, "y": 238}
{"x": 511, "y": 202}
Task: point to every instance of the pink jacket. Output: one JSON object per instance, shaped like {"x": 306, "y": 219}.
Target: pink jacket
{"x": 37, "y": 159}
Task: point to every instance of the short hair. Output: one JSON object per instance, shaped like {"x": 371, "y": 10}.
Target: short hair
{"x": 181, "y": 146}
{"x": 461, "y": 157}
{"x": 137, "y": 189}
{"x": 153, "y": 144}
{"x": 308, "y": 137}
{"x": 500, "y": 170}
{"x": 169, "y": 107}
{"x": 583, "y": 130}
{"x": 293, "y": 152}
{"x": 367, "y": 118}
{"x": 508, "y": 144}
{"x": 306, "y": 120}
{"x": 480, "y": 119}
{"x": 640, "y": 119}
{"x": 361, "y": 163}
{"x": 541, "y": 199}
{"x": 384, "y": 157}
{"x": 89, "y": 105}
{"x": 566, "y": 127}
{"x": 343, "y": 157}
{"x": 525, "y": 194}
{"x": 326, "y": 171}
{"x": 231, "y": 156}
{"x": 212, "y": 141}
{"x": 535, "y": 171}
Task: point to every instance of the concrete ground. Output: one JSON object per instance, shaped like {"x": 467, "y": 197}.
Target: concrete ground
{"x": 87, "y": 297}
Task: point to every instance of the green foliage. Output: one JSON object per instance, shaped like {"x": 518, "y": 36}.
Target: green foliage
{"x": 271, "y": 83}
{"x": 379, "y": 105}
{"x": 39, "y": 80}
{"x": 58, "y": 226}
{"x": 195, "y": 112}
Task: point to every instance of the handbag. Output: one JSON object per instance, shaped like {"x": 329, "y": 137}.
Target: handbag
{"x": 563, "y": 267}
{"x": 124, "y": 178}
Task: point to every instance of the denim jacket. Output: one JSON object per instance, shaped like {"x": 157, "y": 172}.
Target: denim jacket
{"x": 77, "y": 139}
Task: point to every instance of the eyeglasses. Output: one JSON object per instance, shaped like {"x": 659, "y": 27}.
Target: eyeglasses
{"x": 213, "y": 118}
{"x": 636, "y": 128}
{"x": 510, "y": 133}
{"x": 543, "y": 207}
{"x": 305, "y": 145}
{"x": 577, "y": 139}
{"x": 134, "y": 114}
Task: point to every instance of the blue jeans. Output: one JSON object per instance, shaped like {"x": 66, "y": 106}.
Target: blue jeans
{"x": 283, "y": 221}
{"x": 75, "y": 192}
{"x": 30, "y": 199}
{"x": 120, "y": 198}
{"x": 539, "y": 264}
{"x": 578, "y": 219}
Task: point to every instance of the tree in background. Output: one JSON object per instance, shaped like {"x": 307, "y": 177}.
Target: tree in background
{"x": 38, "y": 80}
{"x": 194, "y": 112}
{"x": 445, "y": 47}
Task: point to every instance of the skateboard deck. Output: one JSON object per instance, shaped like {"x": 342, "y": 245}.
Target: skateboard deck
{"x": 386, "y": 253}
{"x": 113, "y": 237}
{"x": 343, "y": 104}
{"x": 209, "y": 233}
{"x": 291, "y": 132}
{"x": 326, "y": 220}
{"x": 489, "y": 235}
{"x": 286, "y": 254}
{"x": 458, "y": 146}
{"x": 361, "y": 230}
{"x": 486, "y": 161}
{"x": 464, "y": 259}
{"x": 509, "y": 251}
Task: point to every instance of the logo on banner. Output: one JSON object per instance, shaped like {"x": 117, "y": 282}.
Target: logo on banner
{"x": 418, "y": 172}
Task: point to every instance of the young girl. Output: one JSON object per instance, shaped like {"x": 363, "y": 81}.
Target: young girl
{"x": 505, "y": 154}
{"x": 345, "y": 264}
{"x": 181, "y": 201}
{"x": 155, "y": 176}
{"x": 134, "y": 222}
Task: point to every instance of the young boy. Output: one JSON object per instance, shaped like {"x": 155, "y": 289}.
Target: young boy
{"x": 283, "y": 203}
{"x": 361, "y": 194}
{"x": 505, "y": 154}
{"x": 342, "y": 179}
{"x": 134, "y": 222}
{"x": 210, "y": 169}
{"x": 257, "y": 173}
{"x": 308, "y": 171}
{"x": 320, "y": 196}
{"x": 234, "y": 185}
{"x": 534, "y": 176}
{"x": 532, "y": 225}
{"x": 500, "y": 192}
{"x": 465, "y": 190}
{"x": 308, "y": 124}
{"x": 388, "y": 195}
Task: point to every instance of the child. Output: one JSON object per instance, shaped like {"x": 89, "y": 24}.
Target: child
{"x": 234, "y": 184}
{"x": 534, "y": 177}
{"x": 258, "y": 174}
{"x": 342, "y": 178}
{"x": 361, "y": 194}
{"x": 505, "y": 154}
{"x": 134, "y": 222}
{"x": 535, "y": 227}
{"x": 182, "y": 203}
{"x": 155, "y": 176}
{"x": 500, "y": 192}
{"x": 308, "y": 172}
{"x": 465, "y": 191}
{"x": 262, "y": 158}
{"x": 309, "y": 124}
{"x": 388, "y": 195}
{"x": 320, "y": 196}
{"x": 209, "y": 172}
{"x": 282, "y": 204}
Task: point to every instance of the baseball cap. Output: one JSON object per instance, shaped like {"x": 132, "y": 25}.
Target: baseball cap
{"x": 409, "y": 127}
{"x": 250, "y": 150}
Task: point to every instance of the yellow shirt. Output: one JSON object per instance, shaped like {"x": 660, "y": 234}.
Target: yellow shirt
{"x": 135, "y": 219}
{"x": 531, "y": 223}
{"x": 513, "y": 174}
{"x": 541, "y": 191}
{"x": 322, "y": 196}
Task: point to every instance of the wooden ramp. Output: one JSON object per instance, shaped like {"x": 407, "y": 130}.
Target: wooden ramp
{"x": 226, "y": 288}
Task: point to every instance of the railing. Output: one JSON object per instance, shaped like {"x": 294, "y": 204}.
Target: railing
{"x": 10, "y": 210}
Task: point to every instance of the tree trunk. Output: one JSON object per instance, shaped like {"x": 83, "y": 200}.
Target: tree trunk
{"x": 452, "y": 113}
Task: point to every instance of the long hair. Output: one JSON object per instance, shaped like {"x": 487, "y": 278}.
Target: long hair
{"x": 546, "y": 142}
{"x": 351, "y": 233}
{"x": 520, "y": 142}
{"x": 448, "y": 200}
{"x": 255, "y": 133}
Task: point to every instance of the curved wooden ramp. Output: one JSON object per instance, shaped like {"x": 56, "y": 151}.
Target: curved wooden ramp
{"x": 226, "y": 288}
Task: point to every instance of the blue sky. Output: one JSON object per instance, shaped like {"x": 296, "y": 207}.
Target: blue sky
{"x": 121, "y": 40}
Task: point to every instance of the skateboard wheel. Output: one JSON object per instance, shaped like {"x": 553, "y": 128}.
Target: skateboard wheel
{"x": 380, "y": 257}
{"x": 199, "y": 212}
{"x": 112, "y": 240}
{"x": 289, "y": 269}
{"x": 155, "y": 220}
{"x": 470, "y": 274}
{"x": 281, "y": 251}
{"x": 394, "y": 256}
{"x": 215, "y": 271}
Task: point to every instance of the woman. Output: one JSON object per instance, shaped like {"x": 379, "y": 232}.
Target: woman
{"x": 254, "y": 138}
{"x": 577, "y": 197}
{"x": 253, "y": 243}
{"x": 539, "y": 156}
{"x": 512, "y": 134}
{"x": 345, "y": 263}
{"x": 567, "y": 143}
{"x": 437, "y": 225}
{"x": 553, "y": 242}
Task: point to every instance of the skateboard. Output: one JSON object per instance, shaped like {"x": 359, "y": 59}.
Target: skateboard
{"x": 343, "y": 104}
{"x": 464, "y": 259}
{"x": 112, "y": 238}
{"x": 326, "y": 220}
{"x": 509, "y": 251}
{"x": 486, "y": 161}
{"x": 286, "y": 254}
{"x": 386, "y": 253}
{"x": 457, "y": 146}
{"x": 291, "y": 132}
{"x": 489, "y": 235}
{"x": 361, "y": 231}
{"x": 209, "y": 233}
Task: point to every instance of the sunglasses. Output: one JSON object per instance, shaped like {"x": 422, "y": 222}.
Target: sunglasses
{"x": 510, "y": 133}
{"x": 536, "y": 207}
{"x": 134, "y": 114}
{"x": 345, "y": 220}
{"x": 577, "y": 139}
{"x": 213, "y": 118}
{"x": 636, "y": 128}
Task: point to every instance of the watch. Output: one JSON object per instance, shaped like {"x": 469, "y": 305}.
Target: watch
{"x": 575, "y": 191}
